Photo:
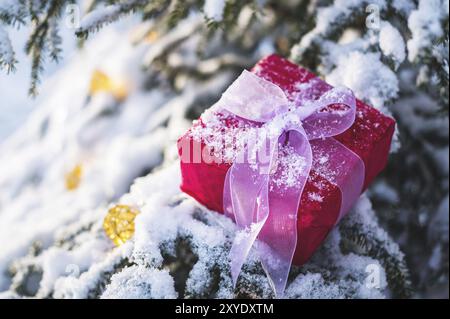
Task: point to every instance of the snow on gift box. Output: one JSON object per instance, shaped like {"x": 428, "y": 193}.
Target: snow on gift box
{"x": 330, "y": 148}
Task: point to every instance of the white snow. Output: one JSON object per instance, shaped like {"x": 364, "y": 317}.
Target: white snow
{"x": 103, "y": 15}
{"x": 12, "y": 7}
{"x": 304, "y": 287}
{"x": 214, "y": 9}
{"x": 315, "y": 197}
{"x": 391, "y": 43}
{"x": 404, "y": 6}
{"x": 338, "y": 11}
{"x": 425, "y": 26}
{"x": 139, "y": 282}
{"x": 290, "y": 166}
{"x": 58, "y": 262}
{"x": 96, "y": 18}
{"x": 367, "y": 76}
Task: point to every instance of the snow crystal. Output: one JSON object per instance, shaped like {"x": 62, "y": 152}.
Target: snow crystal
{"x": 291, "y": 166}
{"x": 323, "y": 159}
{"x": 315, "y": 197}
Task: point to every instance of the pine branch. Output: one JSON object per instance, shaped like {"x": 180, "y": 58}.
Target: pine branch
{"x": 7, "y": 55}
{"x": 177, "y": 11}
{"x": 155, "y": 8}
{"x": 13, "y": 12}
{"x": 54, "y": 40}
{"x": 101, "y": 17}
{"x": 44, "y": 32}
{"x": 368, "y": 238}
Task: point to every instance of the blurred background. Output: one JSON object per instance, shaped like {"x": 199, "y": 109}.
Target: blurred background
{"x": 94, "y": 94}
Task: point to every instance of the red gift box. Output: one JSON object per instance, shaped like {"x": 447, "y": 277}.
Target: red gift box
{"x": 370, "y": 138}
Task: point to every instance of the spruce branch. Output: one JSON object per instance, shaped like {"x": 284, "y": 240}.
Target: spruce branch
{"x": 101, "y": 17}
{"x": 54, "y": 40}
{"x": 7, "y": 54}
{"x": 13, "y": 12}
{"x": 44, "y": 33}
{"x": 364, "y": 237}
{"x": 177, "y": 11}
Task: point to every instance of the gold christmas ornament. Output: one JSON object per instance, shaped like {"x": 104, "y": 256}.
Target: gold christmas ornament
{"x": 151, "y": 37}
{"x": 101, "y": 82}
{"x": 73, "y": 178}
{"x": 119, "y": 223}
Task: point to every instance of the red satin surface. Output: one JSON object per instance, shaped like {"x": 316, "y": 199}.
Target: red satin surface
{"x": 370, "y": 138}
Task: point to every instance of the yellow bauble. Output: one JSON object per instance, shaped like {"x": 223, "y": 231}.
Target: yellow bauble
{"x": 151, "y": 37}
{"x": 119, "y": 223}
{"x": 73, "y": 178}
{"x": 101, "y": 82}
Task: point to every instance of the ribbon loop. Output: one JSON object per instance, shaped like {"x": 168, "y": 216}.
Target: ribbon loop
{"x": 263, "y": 198}
{"x": 253, "y": 98}
{"x": 334, "y": 113}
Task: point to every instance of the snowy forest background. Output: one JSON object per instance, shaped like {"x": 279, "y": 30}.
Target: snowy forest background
{"x": 103, "y": 126}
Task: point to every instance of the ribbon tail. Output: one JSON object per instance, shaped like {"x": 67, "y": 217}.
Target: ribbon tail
{"x": 245, "y": 200}
{"x": 276, "y": 266}
{"x": 278, "y": 238}
{"x": 249, "y": 196}
{"x": 241, "y": 247}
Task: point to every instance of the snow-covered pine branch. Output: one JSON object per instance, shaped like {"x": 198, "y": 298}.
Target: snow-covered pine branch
{"x": 427, "y": 25}
{"x": 102, "y": 16}
{"x": 54, "y": 40}
{"x": 392, "y": 44}
{"x": 361, "y": 232}
{"x": 13, "y": 12}
{"x": 7, "y": 55}
{"x": 428, "y": 46}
